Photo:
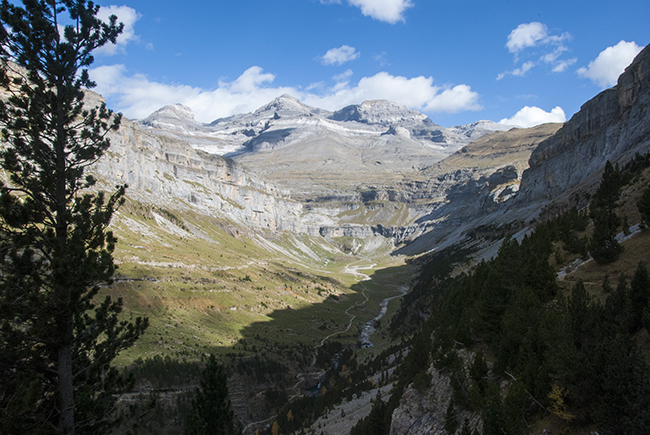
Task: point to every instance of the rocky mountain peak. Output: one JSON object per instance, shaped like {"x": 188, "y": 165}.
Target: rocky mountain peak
{"x": 170, "y": 117}
{"x": 285, "y": 105}
{"x": 379, "y": 112}
{"x": 173, "y": 111}
{"x": 477, "y": 129}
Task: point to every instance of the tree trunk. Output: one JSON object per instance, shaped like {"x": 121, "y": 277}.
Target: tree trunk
{"x": 65, "y": 320}
{"x": 66, "y": 390}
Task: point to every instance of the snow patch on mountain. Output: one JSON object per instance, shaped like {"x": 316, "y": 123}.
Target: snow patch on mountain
{"x": 286, "y": 120}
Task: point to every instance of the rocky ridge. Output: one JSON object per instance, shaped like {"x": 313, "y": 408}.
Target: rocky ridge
{"x": 342, "y": 151}
{"x": 163, "y": 164}
{"x": 611, "y": 126}
{"x": 271, "y": 126}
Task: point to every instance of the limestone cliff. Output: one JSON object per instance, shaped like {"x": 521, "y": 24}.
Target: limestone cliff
{"x": 373, "y": 169}
{"x": 164, "y": 170}
{"x": 613, "y": 126}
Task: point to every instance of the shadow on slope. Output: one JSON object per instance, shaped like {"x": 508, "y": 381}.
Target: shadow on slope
{"x": 286, "y": 356}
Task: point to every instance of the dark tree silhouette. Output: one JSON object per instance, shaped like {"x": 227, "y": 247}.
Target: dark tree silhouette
{"x": 211, "y": 411}
{"x": 603, "y": 246}
{"x": 56, "y": 344}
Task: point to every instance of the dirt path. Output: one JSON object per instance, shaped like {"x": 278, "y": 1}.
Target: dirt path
{"x": 353, "y": 270}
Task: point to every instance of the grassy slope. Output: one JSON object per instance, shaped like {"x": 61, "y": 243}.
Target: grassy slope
{"x": 204, "y": 287}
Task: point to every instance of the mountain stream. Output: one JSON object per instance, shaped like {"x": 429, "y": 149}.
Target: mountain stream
{"x": 368, "y": 328}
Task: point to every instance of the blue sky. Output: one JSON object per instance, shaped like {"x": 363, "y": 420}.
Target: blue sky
{"x": 457, "y": 61}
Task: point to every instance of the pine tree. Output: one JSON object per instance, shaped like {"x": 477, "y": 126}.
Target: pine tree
{"x": 56, "y": 345}
{"x": 578, "y": 305}
{"x": 451, "y": 422}
{"x": 623, "y": 395}
{"x": 603, "y": 246}
{"x": 211, "y": 411}
{"x": 639, "y": 296}
{"x": 643, "y": 204}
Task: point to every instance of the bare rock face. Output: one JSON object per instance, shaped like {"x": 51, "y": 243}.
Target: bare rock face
{"x": 423, "y": 412}
{"x": 174, "y": 117}
{"x": 355, "y": 190}
{"x": 612, "y": 126}
{"x": 379, "y": 112}
{"x": 162, "y": 170}
{"x": 474, "y": 186}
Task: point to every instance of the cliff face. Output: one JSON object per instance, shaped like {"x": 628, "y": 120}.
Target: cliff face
{"x": 163, "y": 162}
{"x": 424, "y": 412}
{"x": 164, "y": 170}
{"x": 612, "y": 126}
{"x": 168, "y": 169}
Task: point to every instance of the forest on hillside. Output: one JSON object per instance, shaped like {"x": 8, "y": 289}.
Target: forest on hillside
{"x": 562, "y": 353}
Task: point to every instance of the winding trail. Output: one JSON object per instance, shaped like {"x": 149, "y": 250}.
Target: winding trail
{"x": 353, "y": 270}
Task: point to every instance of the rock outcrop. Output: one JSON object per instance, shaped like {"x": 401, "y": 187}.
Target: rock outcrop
{"x": 422, "y": 412}
{"x": 612, "y": 126}
{"x": 163, "y": 170}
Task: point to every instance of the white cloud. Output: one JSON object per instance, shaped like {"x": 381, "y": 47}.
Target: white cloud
{"x": 342, "y": 81}
{"x": 137, "y": 97}
{"x": 610, "y": 63}
{"x": 527, "y": 66}
{"x": 416, "y": 93}
{"x": 552, "y": 56}
{"x": 390, "y": 11}
{"x": 534, "y": 40}
{"x": 383, "y": 10}
{"x": 125, "y": 15}
{"x": 526, "y": 35}
{"x": 343, "y": 76}
{"x": 453, "y": 100}
{"x": 532, "y": 116}
{"x": 562, "y": 65}
{"x": 248, "y": 82}
{"x": 339, "y": 55}
{"x": 518, "y": 72}
{"x": 381, "y": 58}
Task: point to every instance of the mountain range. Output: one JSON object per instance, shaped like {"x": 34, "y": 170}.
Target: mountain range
{"x": 377, "y": 168}
{"x": 306, "y": 196}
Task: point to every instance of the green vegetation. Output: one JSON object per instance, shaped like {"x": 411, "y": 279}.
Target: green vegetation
{"x": 603, "y": 246}
{"x": 644, "y": 207}
{"x": 57, "y": 341}
{"x": 567, "y": 353}
{"x": 206, "y": 289}
{"x": 211, "y": 411}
